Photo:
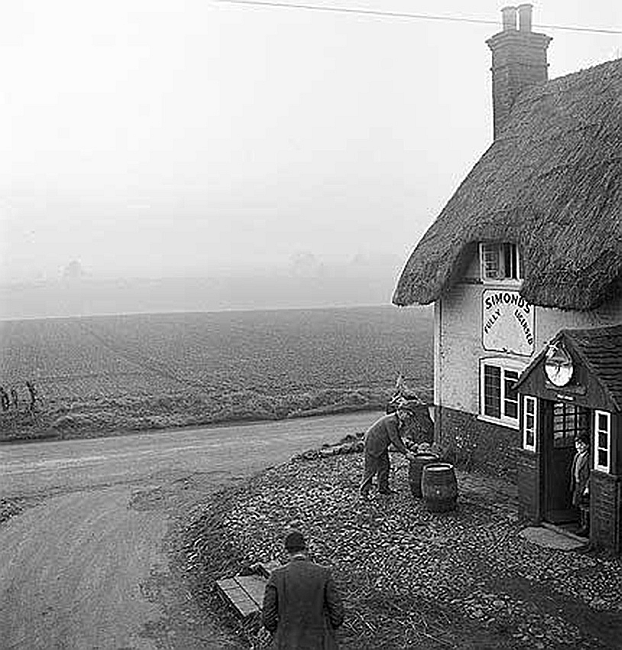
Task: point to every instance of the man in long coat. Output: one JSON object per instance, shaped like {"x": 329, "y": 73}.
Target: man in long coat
{"x": 384, "y": 432}
{"x": 579, "y": 482}
{"x": 301, "y": 605}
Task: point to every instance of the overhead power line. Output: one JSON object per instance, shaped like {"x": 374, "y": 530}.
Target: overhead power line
{"x": 399, "y": 14}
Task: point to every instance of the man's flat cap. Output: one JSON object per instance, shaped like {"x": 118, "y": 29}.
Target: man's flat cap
{"x": 411, "y": 406}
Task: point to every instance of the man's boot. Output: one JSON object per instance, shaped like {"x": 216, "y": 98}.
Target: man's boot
{"x": 584, "y": 530}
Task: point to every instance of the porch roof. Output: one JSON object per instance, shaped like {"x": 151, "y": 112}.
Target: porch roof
{"x": 599, "y": 349}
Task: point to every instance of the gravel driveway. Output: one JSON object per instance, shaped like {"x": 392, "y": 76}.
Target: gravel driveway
{"x": 412, "y": 579}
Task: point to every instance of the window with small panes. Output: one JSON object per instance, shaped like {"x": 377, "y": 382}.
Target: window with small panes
{"x": 498, "y": 397}
{"x": 530, "y": 419}
{"x": 569, "y": 421}
{"x": 602, "y": 441}
{"x": 499, "y": 262}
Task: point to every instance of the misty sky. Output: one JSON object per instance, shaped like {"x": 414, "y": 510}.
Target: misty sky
{"x": 172, "y": 137}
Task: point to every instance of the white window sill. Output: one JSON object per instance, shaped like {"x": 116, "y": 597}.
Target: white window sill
{"x": 509, "y": 282}
{"x": 509, "y": 424}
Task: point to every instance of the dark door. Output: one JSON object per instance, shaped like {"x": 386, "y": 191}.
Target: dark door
{"x": 565, "y": 421}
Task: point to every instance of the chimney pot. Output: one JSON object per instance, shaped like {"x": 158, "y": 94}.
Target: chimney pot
{"x": 509, "y": 18}
{"x": 518, "y": 61}
{"x": 524, "y": 17}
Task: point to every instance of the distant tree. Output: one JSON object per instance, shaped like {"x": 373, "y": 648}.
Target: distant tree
{"x": 4, "y": 399}
{"x": 73, "y": 270}
{"x": 305, "y": 264}
{"x": 33, "y": 394}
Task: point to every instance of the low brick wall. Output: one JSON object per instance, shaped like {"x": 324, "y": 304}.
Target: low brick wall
{"x": 606, "y": 510}
{"x": 478, "y": 445}
{"x": 528, "y": 481}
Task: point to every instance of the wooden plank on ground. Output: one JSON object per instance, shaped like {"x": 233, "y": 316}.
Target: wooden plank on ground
{"x": 244, "y": 593}
{"x": 228, "y": 583}
{"x": 254, "y": 587}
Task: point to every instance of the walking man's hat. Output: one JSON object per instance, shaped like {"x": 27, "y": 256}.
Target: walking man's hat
{"x": 295, "y": 541}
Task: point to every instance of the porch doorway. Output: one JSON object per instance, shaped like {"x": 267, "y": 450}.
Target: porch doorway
{"x": 564, "y": 422}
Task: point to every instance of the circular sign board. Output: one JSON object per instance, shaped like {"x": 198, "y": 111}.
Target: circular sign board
{"x": 558, "y": 364}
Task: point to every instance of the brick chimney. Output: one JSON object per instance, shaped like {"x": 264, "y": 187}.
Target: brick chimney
{"x": 518, "y": 61}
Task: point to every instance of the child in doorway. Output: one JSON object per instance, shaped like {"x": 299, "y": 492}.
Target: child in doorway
{"x": 579, "y": 482}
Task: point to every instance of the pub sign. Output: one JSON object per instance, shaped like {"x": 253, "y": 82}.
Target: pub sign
{"x": 507, "y": 322}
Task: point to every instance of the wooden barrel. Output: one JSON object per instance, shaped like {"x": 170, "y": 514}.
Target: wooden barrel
{"x": 415, "y": 471}
{"x": 439, "y": 487}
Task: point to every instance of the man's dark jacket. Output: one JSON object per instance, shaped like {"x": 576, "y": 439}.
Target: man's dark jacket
{"x": 302, "y": 607}
{"x": 381, "y": 434}
{"x": 580, "y": 466}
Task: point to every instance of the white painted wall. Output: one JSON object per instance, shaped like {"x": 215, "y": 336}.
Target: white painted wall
{"x": 458, "y": 340}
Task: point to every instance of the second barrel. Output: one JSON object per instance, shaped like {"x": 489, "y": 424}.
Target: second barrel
{"x": 439, "y": 487}
{"x": 415, "y": 472}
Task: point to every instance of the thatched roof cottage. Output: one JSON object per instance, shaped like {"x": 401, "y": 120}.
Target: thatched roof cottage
{"x": 524, "y": 267}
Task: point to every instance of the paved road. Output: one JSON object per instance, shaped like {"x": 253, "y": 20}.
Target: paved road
{"x": 86, "y": 567}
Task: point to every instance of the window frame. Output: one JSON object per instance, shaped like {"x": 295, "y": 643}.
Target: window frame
{"x": 530, "y": 399}
{"x": 505, "y": 364}
{"x": 499, "y": 248}
{"x": 569, "y": 420}
{"x": 596, "y": 447}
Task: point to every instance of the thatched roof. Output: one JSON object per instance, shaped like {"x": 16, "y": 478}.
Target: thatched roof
{"x": 552, "y": 183}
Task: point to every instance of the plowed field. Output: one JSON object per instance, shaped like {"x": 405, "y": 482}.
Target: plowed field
{"x": 113, "y": 373}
